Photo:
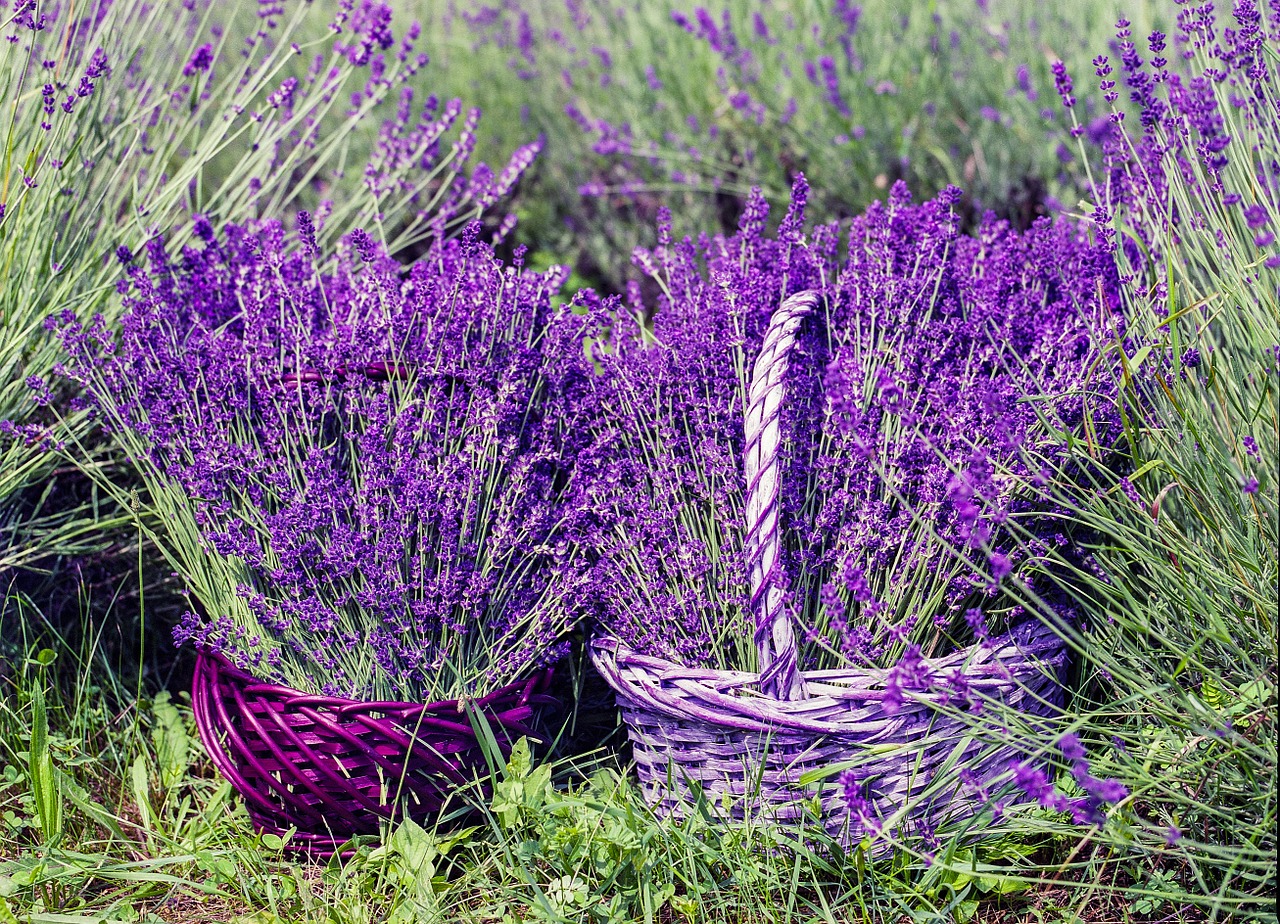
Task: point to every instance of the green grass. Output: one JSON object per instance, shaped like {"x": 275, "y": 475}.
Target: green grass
{"x": 110, "y": 810}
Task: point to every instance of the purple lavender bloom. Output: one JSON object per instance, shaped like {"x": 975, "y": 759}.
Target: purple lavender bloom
{"x": 861, "y": 807}
{"x": 977, "y": 623}
{"x": 1023, "y": 80}
{"x": 201, "y": 60}
{"x": 1181, "y": 122}
{"x": 1062, "y": 83}
{"x": 1087, "y": 811}
{"x": 307, "y": 233}
{"x": 1034, "y": 782}
{"x": 884, "y": 424}
{"x": 910, "y": 674}
{"x": 371, "y": 27}
{"x": 831, "y": 82}
{"x": 1071, "y": 747}
{"x": 375, "y": 459}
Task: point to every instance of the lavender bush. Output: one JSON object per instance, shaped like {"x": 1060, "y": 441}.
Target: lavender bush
{"x": 690, "y": 105}
{"x": 1178, "y": 593}
{"x": 923, "y": 341}
{"x": 358, "y": 469}
{"x": 114, "y": 137}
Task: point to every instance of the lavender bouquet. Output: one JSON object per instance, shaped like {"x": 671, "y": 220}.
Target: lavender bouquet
{"x": 359, "y": 468}
{"x": 902, "y": 395}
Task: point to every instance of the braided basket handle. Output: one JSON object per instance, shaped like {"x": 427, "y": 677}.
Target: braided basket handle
{"x": 774, "y": 633}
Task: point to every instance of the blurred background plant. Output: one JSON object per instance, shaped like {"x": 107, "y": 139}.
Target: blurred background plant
{"x": 652, "y": 103}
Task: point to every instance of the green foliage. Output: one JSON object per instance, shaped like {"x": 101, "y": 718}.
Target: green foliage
{"x": 585, "y": 851}
{"x": 151, "y": 833}
{"x": 932, "y": 91}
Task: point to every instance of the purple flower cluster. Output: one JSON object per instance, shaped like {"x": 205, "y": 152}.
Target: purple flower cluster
{"x": 904, "y": 437}
{"x": 1182, "y": 141}
{"x": 361, "y": 467}
{"x": 1086, "y": 810}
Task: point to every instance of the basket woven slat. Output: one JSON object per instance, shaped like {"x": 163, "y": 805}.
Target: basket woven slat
{"x": 316, "y": 778}
{"x": 332, "y": 768}
{"x": 673, "y": 751}
{"x": 752, "y": 737}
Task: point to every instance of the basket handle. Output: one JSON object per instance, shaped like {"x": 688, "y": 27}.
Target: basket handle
{"x": 774, "y": 632}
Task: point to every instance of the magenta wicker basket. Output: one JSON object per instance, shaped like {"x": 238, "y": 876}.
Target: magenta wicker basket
{"x": 332, "y": 768}
{"x": 747, "y": 740}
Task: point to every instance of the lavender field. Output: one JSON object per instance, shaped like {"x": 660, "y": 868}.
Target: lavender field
{"x": 623, "y": 461}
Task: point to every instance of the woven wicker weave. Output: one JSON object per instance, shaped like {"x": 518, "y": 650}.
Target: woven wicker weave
{"x": 751, "y": 737}
{"x": 332, "y": 768}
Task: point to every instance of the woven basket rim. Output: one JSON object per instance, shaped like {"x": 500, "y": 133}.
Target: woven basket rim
{"x": 836, "y": 697}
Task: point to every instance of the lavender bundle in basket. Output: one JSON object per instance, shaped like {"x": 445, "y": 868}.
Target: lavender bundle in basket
{"x": 902, "y": 391}
{"x": 359, "y": 468}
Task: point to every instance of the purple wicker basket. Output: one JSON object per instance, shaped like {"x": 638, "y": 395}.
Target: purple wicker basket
{"x": 749, "y": 739}
{"x": 333, "y": 768}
